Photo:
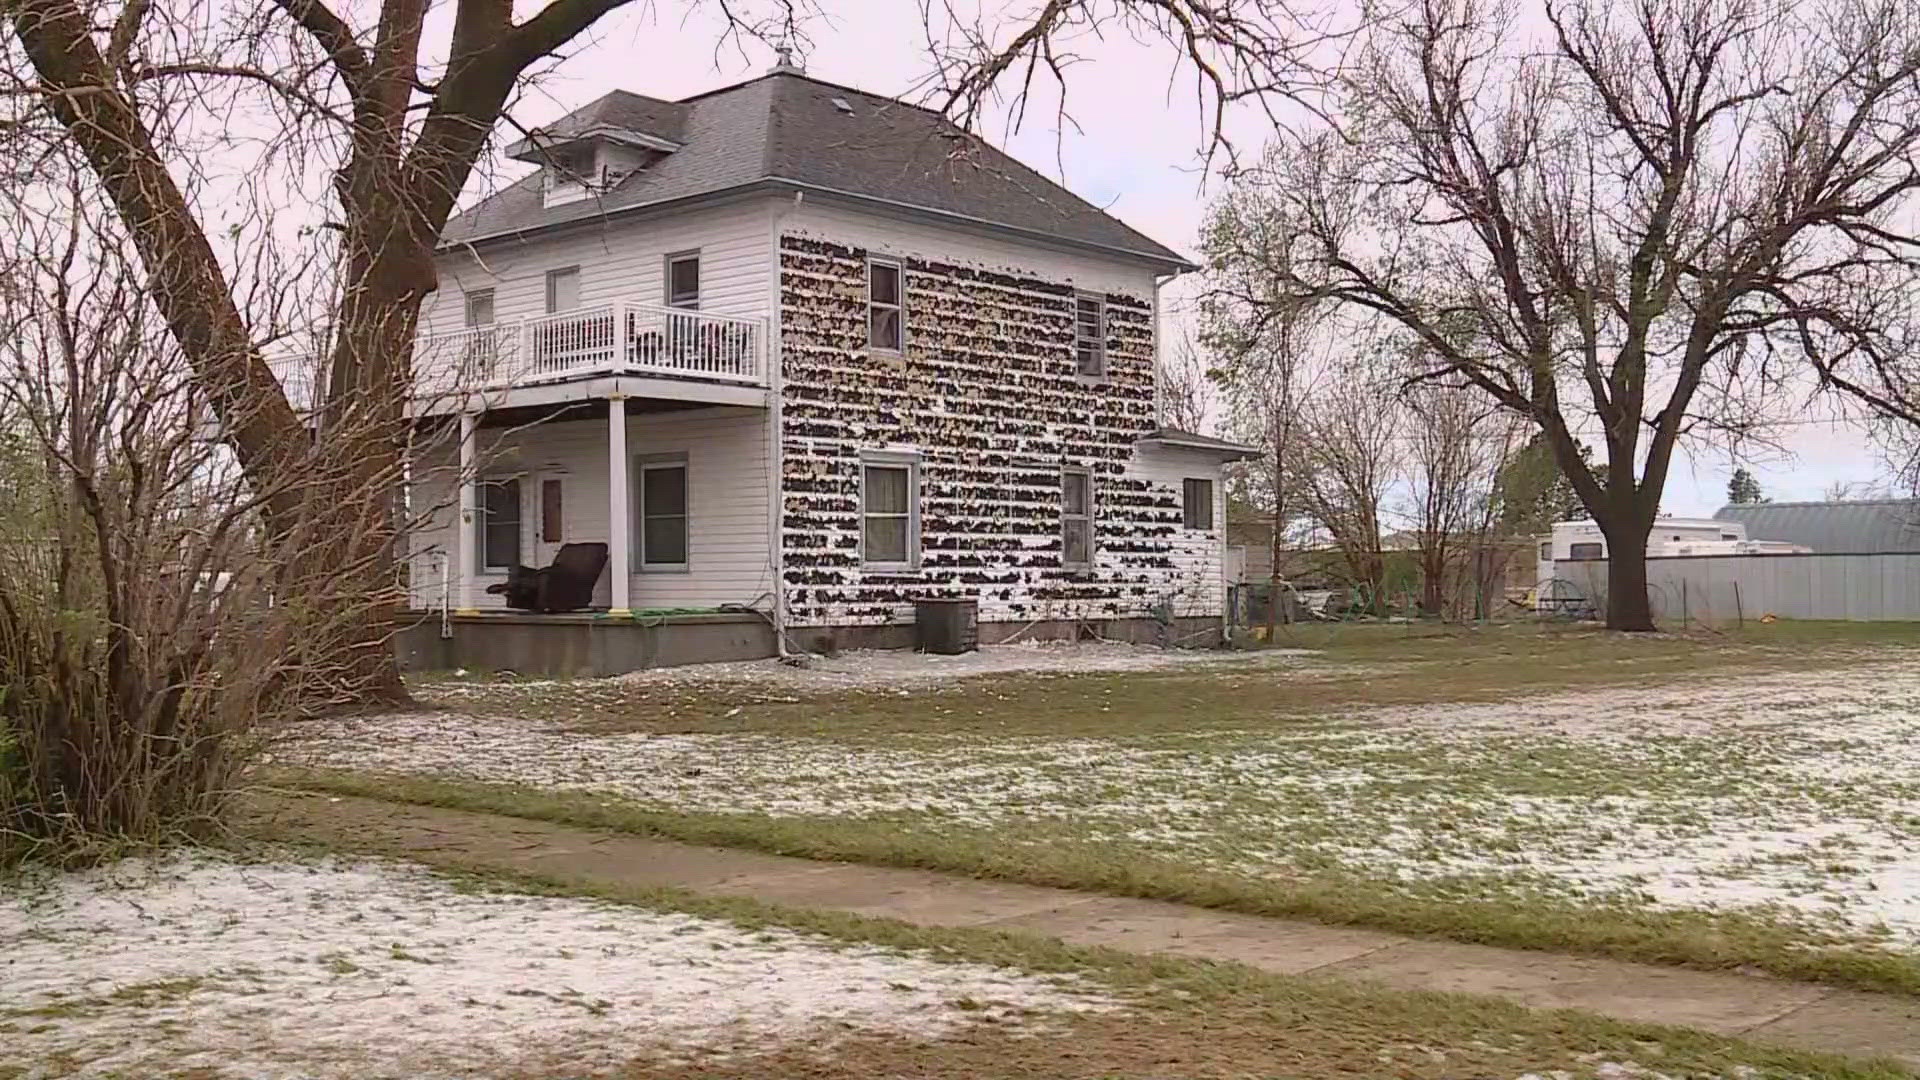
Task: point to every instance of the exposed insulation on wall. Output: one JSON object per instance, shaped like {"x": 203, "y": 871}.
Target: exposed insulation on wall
{"x": 985, "y": 391}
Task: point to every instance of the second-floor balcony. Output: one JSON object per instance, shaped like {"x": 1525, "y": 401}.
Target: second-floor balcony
{"x": 620, "y": 338}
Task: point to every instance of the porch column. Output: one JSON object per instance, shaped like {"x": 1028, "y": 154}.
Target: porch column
{"x": 466, "y": 547}
{"x": 618, "y": 520}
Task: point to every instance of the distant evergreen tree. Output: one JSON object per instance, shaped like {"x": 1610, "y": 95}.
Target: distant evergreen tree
{"x": 1743, "y": 488}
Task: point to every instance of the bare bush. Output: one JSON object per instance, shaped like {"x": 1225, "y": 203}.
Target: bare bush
{"x": 149, "y": 635}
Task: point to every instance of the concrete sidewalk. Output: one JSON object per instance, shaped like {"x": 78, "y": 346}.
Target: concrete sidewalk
{"x": 1803, "y": 1015}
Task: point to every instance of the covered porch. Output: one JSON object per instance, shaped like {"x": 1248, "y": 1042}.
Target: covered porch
{"x": 678, "y": 491}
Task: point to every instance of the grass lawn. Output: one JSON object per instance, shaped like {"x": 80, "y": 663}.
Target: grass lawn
{"x": 286, "y": 961}
{"x": 1734, "y": 799}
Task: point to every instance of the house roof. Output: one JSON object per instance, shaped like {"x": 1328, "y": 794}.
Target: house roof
{"x": 1875, "y": 525}
{"x": 785, "y": 130}
{"x": 1187, "y": 440}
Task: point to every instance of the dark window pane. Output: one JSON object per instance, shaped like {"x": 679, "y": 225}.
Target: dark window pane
{"x": 1585, "y": 551}
{"x": 1076, "y": 536}
{"x": 664, "y": 539}
{"x": 664, "y": 491}
{"x": 884, "y": 283}
{"x": 883, "y": 328}
{"x": 683, "y": 282}
{"x": 563, "y": 289}
{"x": 500, "y": 523}
{"x": 1088, "y": 359}
{"x": 1073, "y": 492}
{"x": 886, "y": 490}
{"x": 1197, "y": 504}
{"x": 886, "y": 539}
{"x": 480, "y": 308}
{"x": 550, "y": 527}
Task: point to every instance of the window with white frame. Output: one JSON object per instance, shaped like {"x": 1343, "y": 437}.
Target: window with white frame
{"x": 1587, "y": 551}
{"x": 889, "y": 513}
{"x": 1076, "y": 518}
{"x": 1196, "y": 503}
{"x": 499, "y": 524}
{"x": 563, "y": 289}
{"x": 1090, "y": 335}
{"x": 683, "y": 279}
{"x": 886, "y": 311}
{"x": 479, "y": 308}
{"x": 663, "y": 513}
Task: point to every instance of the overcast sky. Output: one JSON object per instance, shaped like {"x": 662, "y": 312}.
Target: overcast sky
{"x": 1131, "y": 150}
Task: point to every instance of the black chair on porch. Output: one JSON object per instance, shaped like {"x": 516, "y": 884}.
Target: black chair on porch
{"x": 567, "y": 585}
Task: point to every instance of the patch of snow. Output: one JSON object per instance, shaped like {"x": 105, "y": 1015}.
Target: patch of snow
{"x": 376, "y": 970}
{"x": 1795, "y": 796}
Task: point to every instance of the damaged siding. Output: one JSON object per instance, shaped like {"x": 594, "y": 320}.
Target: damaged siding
{"x": 986, "y": 394}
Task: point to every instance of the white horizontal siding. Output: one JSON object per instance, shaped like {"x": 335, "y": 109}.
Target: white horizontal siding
{"x": 1197, "y": 585}
{"x": 620, "y": 259}
{"x": 729, "y": 558}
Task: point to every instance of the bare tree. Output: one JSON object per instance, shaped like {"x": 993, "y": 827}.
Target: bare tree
{"x": 1186, "y": 387}
{"x": 1455, "y": 446}
{"x": 1270, "y": 359}
{"x": 1632, "y": 221}
{"x": 1352, "y": 458}
{"x": 132, "y": 85}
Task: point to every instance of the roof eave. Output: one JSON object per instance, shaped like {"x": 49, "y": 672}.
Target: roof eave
{"x": 1167, "y": 262}
{"x": 1225, "y": 451}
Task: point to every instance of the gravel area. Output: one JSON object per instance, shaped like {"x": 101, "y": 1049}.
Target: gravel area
{"x": 1792, "y": 796}
{"x": 374, "y": 970}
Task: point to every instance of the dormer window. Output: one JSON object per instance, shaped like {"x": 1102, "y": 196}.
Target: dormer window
{"x": 571, "y": 174}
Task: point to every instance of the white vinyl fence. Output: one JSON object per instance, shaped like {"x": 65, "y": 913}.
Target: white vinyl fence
{"x": 1719, "y": 589}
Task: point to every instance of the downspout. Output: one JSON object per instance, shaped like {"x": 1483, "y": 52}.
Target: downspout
{"x": 776, "y": 451}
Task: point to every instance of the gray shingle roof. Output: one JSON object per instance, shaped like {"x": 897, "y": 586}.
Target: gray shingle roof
{"x": 784, "y": 129}
{"x": 1833, "y": 527}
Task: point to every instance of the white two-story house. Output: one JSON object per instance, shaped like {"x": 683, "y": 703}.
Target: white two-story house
{"x": 800, "y": 356}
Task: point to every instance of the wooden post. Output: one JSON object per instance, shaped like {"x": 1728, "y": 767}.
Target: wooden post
{"x": 1739, "y": 610}
{"x": 466, "y": 565}
{"x": 619, "y": 522}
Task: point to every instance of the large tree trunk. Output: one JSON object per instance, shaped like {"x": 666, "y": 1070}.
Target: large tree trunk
{"x": 1628, "y": 606}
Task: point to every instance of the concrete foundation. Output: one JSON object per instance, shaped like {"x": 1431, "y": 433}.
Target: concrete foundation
{"x": 592, "y": 645}
{"x": 582, "y": 645}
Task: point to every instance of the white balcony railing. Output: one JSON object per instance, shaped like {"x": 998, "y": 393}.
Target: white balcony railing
{"x": 612, "y": 339}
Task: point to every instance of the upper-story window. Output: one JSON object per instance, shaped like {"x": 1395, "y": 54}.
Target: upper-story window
{"x": 479, "y": 308}
{"x": 563, "y": 289}
{"x": 683, "y": 279}
{"x": 885, "y": 309}
{"x": 1090, "y": 335}
{"x": 568, "y": 176}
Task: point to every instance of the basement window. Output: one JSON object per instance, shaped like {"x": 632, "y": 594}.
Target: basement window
{"x": 1076, "y": 518}
{"x": 886, "y": 310}
{"x": 1090, "y": 336}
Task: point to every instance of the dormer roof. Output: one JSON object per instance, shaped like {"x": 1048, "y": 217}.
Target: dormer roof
{"x": 620, "y": 117}
{"x": 786, "y": 131}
